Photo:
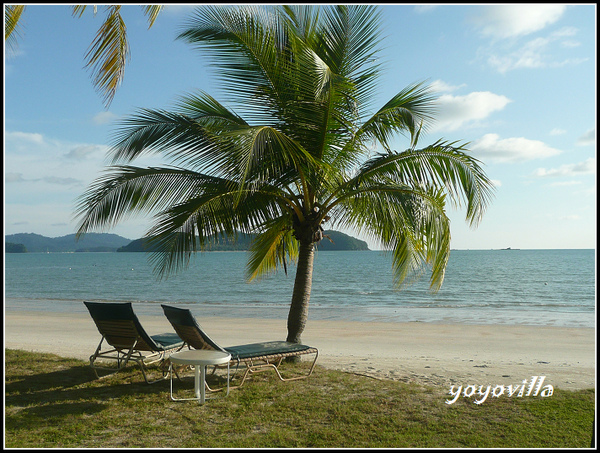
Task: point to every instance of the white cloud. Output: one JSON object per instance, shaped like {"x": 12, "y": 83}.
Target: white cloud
{"x": 25, "y": 145}
{"x": 536, "y": 53}
{"x": 586, "y": 167}
{"x": 25, "y": 137}
{"x": 455, "y": 112}
{"x": 570, "y": 44}
{"x": 82, "y": 152}
{"x": 13, "y": 177}
{"x": 511, "y": 150}
{"x": 61, "y": 181}
{"x": 442, "y": 87}
{"x": 104, "y": 118}
{"x": 587, "y": 139}
{"x": 557, "y": 131}
{"x": 565, "y": 32}
{"x": 421, "y": 9}
{"x": 505, "y": 25}
{"x": 565, "y": 183}
{"x": 179, "y": 9}
{"x": 529, "y": 55}
{"x": 45, "y": 165}
{"x": 18, "y": 177}
{"x": 507, "y": 21}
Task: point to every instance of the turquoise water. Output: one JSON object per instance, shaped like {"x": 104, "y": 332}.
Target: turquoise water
{"x": 534, "y": 287}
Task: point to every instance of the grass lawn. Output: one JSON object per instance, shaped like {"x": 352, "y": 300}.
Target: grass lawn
{"x": 55, "y": 402}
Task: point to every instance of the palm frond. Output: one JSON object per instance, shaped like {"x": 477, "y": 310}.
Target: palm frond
{"x": 244, "y": 43}
{"x": 349, "y": 46}
{"x": 126, "y": 190}
{"x": 205, "y": 136}
{"x": 108, "y": 54}
{"x": 445, "y": 165}
{"x": 272, "y": 248}
{"x": 263, "y": 154}
{"x": 183, "y": 135}
{"x": 407, "y": 111}
{"x": 152, "y": 11}
{"x": 303, "y": 20}
{"x": 350, "y": 38}
{"x": 409, "y": 221}
{"x": 12, "y": 21}
{"x": 186, "y": 227}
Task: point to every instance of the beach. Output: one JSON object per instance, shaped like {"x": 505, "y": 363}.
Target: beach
{"x": 433, "y": 354}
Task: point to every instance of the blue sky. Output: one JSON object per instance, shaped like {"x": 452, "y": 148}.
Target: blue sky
{"x": 518, "y": 82}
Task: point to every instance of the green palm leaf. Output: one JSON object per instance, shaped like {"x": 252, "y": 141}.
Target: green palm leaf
{"x": 12, "y": 15}
{"x": 109, "y": 53}
{"x": 272, "y": 248}
{"x": 443, "y": 165}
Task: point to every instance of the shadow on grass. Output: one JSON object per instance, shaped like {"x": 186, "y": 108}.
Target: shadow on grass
{"x": 36, "y": 387}
{"x": 47, "y": 400}
{"x": 76, "y": 381}
{"x": 56, "y": 380}
{"x": 51, "y": 412}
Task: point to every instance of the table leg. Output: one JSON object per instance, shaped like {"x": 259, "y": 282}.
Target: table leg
{"x": 197, "y": 382}
{"x": 203, "y": 384}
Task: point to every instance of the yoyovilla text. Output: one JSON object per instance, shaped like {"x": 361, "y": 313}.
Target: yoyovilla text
{"x": 533, "y": 388}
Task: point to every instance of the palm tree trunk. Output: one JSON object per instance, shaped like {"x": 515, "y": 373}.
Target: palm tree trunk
{"x": 299, "y": 308}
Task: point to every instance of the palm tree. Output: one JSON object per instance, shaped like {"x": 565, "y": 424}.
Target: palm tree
{"x": 109, "y": 52}
{"x": 295, "y": 154}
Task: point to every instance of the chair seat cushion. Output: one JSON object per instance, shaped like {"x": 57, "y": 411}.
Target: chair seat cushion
{"x": 265, "y": 349}
{"x": 167, "y": 340}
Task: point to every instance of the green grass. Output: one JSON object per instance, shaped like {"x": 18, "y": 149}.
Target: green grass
{"x": 54, "y": 402}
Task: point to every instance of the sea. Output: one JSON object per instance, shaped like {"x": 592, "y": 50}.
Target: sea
{"x": 508, "y": 287}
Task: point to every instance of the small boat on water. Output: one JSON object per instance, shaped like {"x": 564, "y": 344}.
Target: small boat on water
{"x": 508, "y": 248}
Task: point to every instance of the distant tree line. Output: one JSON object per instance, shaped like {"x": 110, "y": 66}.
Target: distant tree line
{"x": 332, "y": 240}
{"x": 11, "y": 247}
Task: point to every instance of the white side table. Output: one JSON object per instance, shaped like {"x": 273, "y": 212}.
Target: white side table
{"x": 199, "y": 359}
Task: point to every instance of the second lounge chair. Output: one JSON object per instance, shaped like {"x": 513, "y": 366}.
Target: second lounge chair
{"x": 255, "y": 357}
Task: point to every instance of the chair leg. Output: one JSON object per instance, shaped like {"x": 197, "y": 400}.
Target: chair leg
{"x": 251, "y": 368}
{"x": 312, "y": 367}
{"x": 122, "y": 359}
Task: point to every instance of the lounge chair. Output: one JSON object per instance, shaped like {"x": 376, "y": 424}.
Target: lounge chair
{"x": 255, "y": 357}
{"x": 122, "y": 330}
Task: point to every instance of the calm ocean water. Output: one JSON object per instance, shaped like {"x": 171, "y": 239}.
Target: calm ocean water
{"x": 534, "y": 287}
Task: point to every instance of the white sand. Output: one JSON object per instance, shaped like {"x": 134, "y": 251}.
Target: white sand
{"x": 435, "y": 354}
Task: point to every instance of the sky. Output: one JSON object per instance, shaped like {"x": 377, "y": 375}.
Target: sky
{"x": 516, "y": 82}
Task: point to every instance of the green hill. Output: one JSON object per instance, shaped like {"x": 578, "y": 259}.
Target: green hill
{"x": 222, "y": 245}
{"x": 334, "y": 241}
{"x": 102, "y": 242}
{"x": 14, "y": 248}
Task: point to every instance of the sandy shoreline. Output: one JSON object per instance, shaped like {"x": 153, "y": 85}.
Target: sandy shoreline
{"x": 434, "y": 354}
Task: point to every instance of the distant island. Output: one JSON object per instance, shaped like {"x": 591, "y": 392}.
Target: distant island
{"x": 91, "y": 242}
{"x": 334, "y": 240}
{"x": 14, "y": 248}
{"x": 104, "y": 242}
